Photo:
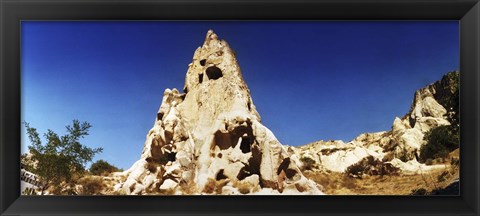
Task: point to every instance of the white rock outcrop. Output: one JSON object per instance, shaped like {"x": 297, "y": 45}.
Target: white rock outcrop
{"x": 211, "y": 136}
{"x": 403, "y": 141}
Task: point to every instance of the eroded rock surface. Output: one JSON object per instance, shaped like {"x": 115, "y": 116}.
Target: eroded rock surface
{"x": 210, "y": 139}
{"x": 399, "y": 147}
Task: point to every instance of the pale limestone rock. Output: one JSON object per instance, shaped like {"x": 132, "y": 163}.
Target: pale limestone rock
{"x": 138, "y": 189}
{"x": 253, "y": 181}
{"x": 233, "y": 169}
{"x": 230, "y": 190}
{"x": 414, "y": 167}
{"x": 168, "y": 184}
{"x": 117, "y": 187}
{"x": 213, "y": 131}
{"x": 404, "y": 140}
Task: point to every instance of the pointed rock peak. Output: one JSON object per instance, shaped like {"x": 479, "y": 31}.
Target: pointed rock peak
{"x": 210, "y": 140}
{"x": 211, "y": 36}
{"x": 215, "y": 62}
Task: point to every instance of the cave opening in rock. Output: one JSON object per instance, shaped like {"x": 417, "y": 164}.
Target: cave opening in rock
{"x": 200, "y": 78}
{"x": 245, "y": 144}
{"x": 222, "y": 140}
{"x": 284, "y": 165}
{"x": 202, "y": 62}
{"x": 159, "y": 116}
{"x": 220, "y": 175}
{"x": 244, "y": 172}
{"x": 214, "y": 72}
{"x": 289, "y": 173}
{"x": 171, "y": 156}
{"x": 255, "y": 161}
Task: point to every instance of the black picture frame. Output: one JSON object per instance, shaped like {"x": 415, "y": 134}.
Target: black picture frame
{"x": 13, "y": 11}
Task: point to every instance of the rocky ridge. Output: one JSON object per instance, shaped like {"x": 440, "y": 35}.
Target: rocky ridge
{"x": 210, "y": 139}
{"x": 400, "y": 146}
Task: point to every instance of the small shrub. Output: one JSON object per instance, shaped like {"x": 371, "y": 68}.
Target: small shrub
{"x": 102, "y": 167}
{"x": 440, "y": 142}
{"x": 308, "y": 163}
{"x": 404, "y": 156}
{"x": 329, "y": 151}
{"x": 370, "y": 166}
{"x": 91, "y": 185}
{"x": 214, "y": 186}
{"x": 356, "y": 170}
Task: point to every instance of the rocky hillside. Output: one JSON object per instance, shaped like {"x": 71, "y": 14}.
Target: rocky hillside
{"x": 210, "y": 139}
{"x": 433, "y": 106}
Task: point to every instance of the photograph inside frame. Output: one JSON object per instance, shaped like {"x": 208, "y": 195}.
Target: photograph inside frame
{"x": 262, "y": 108}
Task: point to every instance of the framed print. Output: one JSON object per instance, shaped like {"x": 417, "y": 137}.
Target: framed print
{"x": 275, "y": 107}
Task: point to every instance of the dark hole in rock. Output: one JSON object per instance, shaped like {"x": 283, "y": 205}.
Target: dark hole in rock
{"x": 171, "y": 156}
{"x": 244, "y": 172}
{"x": 149, "y": 159}
{"x": 220, "y": 175}
{"x": 255, "y": 160}
{"x": 225, "y": 140}
{"x": 219, "y": 155}
{"x": 185, "y": 90}
{"x": 249, "y": 105}
{"x": 152, "y": 167}
{"x": 202, "y": 62}
{"x": 245, "y": 144}
{"x": 213, "y": 72}
{"x": 159, "y": 116}
{"x": 283, "y": 166}
{"x": 222, "y": 140}
{"x": 200, "y": 78}
{"x": 168, "y": 136}
{"x": 290, "y": 173}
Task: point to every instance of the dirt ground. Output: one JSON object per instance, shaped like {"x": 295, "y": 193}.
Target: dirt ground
{"x": 400, "y": 184}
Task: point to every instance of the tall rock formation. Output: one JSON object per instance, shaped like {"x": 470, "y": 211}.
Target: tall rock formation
{"x": 430, "y": 108}
{"x": 210, "y": 139}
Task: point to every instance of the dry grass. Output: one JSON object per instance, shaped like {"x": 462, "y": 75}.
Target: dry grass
{"x": 243, "y": 187}
{"x": 188, "y": 187}
{"x": 92, "y": 185}
{"x": 340, "y": 184}
{"x": 214, "y": 187}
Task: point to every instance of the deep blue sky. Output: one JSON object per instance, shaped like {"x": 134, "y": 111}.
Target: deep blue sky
{"x": 309, "y": 80}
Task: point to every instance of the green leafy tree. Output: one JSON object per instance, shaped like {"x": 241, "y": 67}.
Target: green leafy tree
{"x": 61, "y": 157}
{"x": 102, "y": 167}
